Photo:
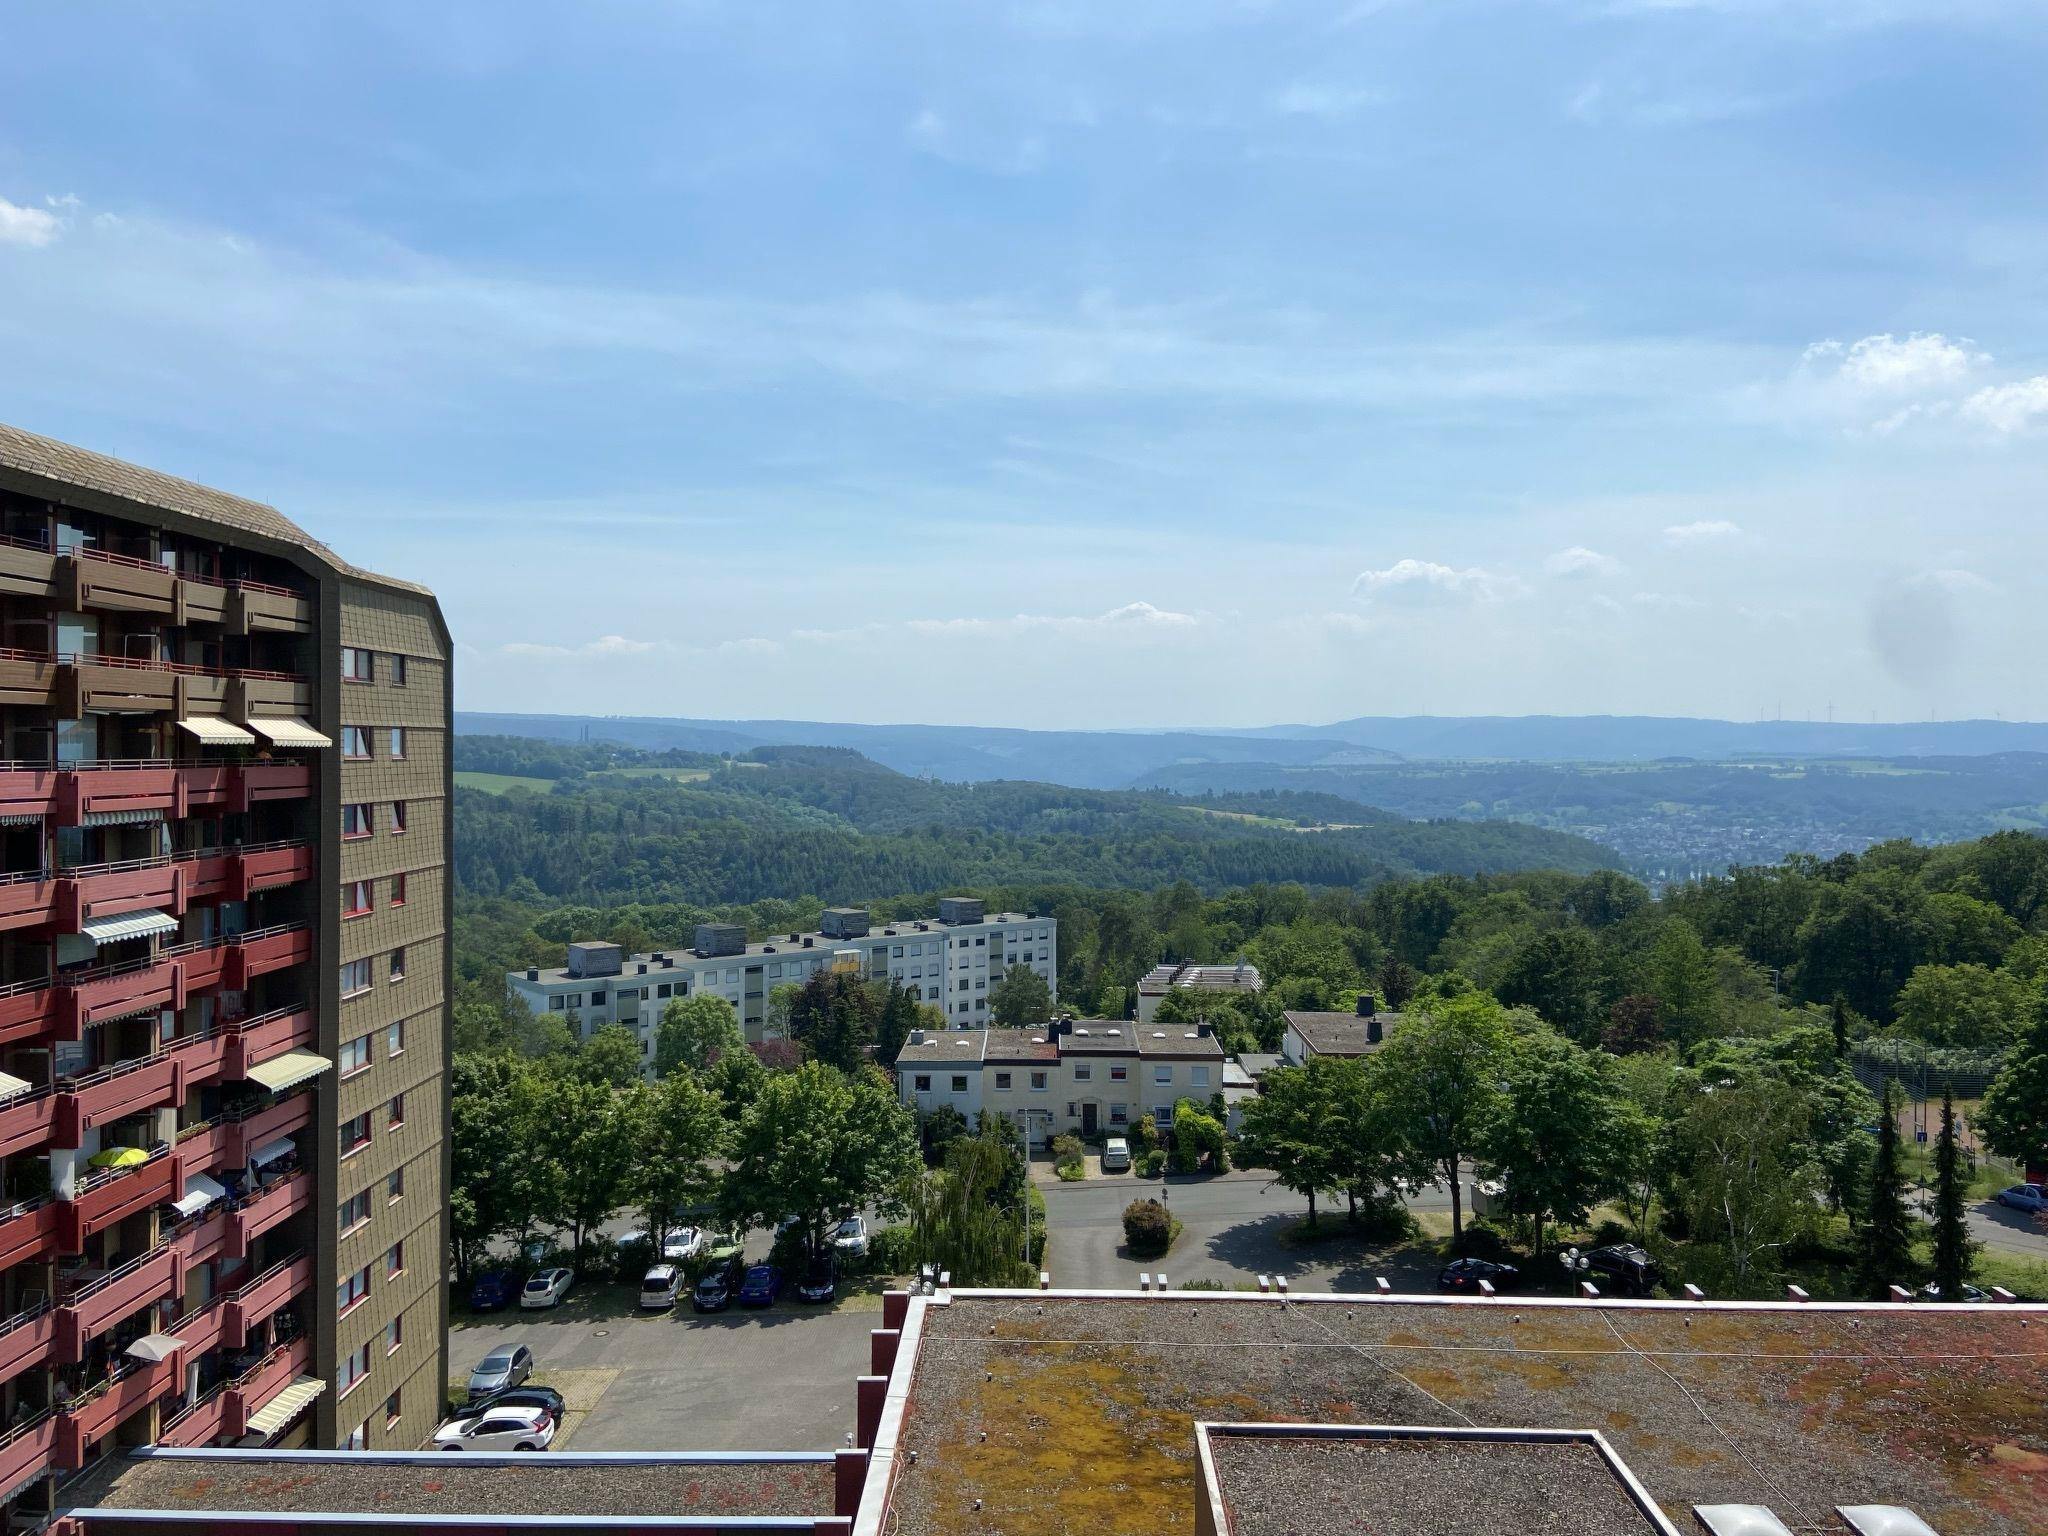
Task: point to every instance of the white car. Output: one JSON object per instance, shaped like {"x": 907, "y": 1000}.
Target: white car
{"x": 2025, "y": 1197}
{"x": 679, "y": 1247}
{"x": 851, "y": 1239}
{"x": 546, "y": 1289}
{"x": 510, "y": 1428}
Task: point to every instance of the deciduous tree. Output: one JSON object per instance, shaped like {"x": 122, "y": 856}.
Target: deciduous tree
{"x": 1022, "y": 998}
{"x": 685, "y": 1129}
{"x": 1439, "y": 1076}
{"x": 694, "y": 1032}
{"x": 1556, "y": 1132}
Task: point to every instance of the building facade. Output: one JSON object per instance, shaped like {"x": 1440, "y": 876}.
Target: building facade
{"x": 224, "y": 975}
{"x": 1241, "y": 979}
{"x": 951, "y": 961}
{"x": 1084, "y": 1078}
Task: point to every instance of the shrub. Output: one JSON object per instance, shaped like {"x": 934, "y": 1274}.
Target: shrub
{"x": 1145, "y": 1134}
{"x": 891, "y": 1251}
{"x": 1067, "y": 1149}
{"x": 1148, "y": 1228}
{"x": 1037, "y": 1199}
{"x": 1153, "y": 1163}
{"x": 941, "y": 1128}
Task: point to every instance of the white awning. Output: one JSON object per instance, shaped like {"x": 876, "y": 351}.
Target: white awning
{"x": 121, "y": 818}
{"x": 200, "y": 1192}
{"x": 21, "y": 819}
{"x": 129, "y": 925}
{"x": 294, "y": 1066}
{"x": 12, "y": 1087}
{"x": 286, "y": 732}
{"x": 271, "y": 1151}
{"x": 215, "y": 732}
{"x": 155, "y": 1347}
{"x": 286, "y": 1406}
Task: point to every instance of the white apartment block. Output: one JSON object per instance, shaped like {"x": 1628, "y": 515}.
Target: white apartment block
{"x": 950, "y": 961}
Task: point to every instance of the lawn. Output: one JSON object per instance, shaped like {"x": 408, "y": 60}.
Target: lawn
{"x": 678, "y": 775}
{"x": 500, "y": 783}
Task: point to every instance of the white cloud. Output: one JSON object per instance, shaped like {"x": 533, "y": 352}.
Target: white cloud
{"x": 1424, "y": 581}
{"x": 1581, "y": 561}
{"x": 2010, "y": 408}
{"x": 1704, "y": 531}
{"x": 1331, "y": 103}
{"x": 1670, "y": 602}
{"x": 939, "y": 136}
{"x": 1923, "y": 361}
{"x": 602, "y": 646}
{"x": 29, "y": 226}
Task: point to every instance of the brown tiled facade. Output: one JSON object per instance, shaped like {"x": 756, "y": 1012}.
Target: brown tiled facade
{"x": 191, "y": 1023}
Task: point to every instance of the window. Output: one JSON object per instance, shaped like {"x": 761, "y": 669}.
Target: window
{"x": 394, "y": 1334}
{"x": 355, "y": 743}
{"x": 1162, "y": 1116}
{"x": 355, "y": 1056}
{"x": 394, "y": 1260}
{"x": 353, "y": 1291}
{"x": 355, "y": 1211}
{"x": 1198, "y": 1077}
{"x": 397, "y": 671}
{"x": 398, "y": 890}
{"x": 357, "y": 664}
{"x": 391, "y": 1413}
{"x": 354, "y": 1367}
{"x": 959, "y": 1082}
{"x": 963, "y": 983}
{"x": 394, "y": 1037}
{"x": 1002, "y": 1080}
{"x": 355, "y": 898}
{"x": 1162, "y": 1075}
{"x": 1083, "y": 1074}
{"x": 397, "y": 1111}
{"x": 1118, "y": 1114}
{"x": 663, "y": 989}
{"x": 397, "y": 742}
{"x": 1119, "y": 1074}
{"x": 355, "y": 821}
{"x": 355, "y": 1134}
{"x": 397, "y": 817}
{"x": 398, "y": 969}
{"x": 355, "y": 977}
{"x": 1038, "y": 1082}
{"x": 394, "y": 1187}
{"x": 922, "y": 1082}
{"x": 557, "y": 1004}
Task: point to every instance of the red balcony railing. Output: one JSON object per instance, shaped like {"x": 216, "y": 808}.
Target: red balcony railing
{"x": 108, "y": 1195}
{"x": 68, "y": 897}
{"x": 254, "y": 1214}
{"x": 30, "y": 1230}
{"x": 263, "y": 1381}
{"x": 67, "y": 794}
{"x": 26, "y": 1339}
{"x": 89, "y": 1418}
{"x": 254, "y": 1302}
{"x": 251, "y": 1042}
{"x": 89, "y": 1309}
{"x": 27, "y": 1451}
{"x": 199, "y": 1422}
{"x": 201, "y": 1237}
{"x": 112, "y": 1093}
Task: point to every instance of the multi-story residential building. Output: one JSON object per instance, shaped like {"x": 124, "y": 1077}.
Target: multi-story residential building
{"x": 1154, "y": 986}
{"x": 223, "y": 977}
{"x": 1082, "y": 1077}
{"x": 951, "y": 961}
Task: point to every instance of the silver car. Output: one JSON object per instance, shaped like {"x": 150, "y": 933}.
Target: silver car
{"x": 506, "y": 1366}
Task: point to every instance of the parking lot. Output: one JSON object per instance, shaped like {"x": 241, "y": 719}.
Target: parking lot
{"x": 781, "y": 1379}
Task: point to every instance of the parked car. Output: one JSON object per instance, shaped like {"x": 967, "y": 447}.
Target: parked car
{"x": 528, "y": 1396}
{"x": 1465, "y": 1275}
{"x": 2025, "y": 1197}
{"x": 506, "y": 1366}
{"x": 546, "y": 1289}
{"x": 1624, "y": 1267}
{"x": 658, "y": 1288}
{"x": 1969, "y": 1293}
{"x": 679, "y": 1247}
{"x": 761, "y": 1286}
{"x": 505, "y": 1428}
{"x": 820, "y": 1280}
{"x": 1116, "y": 1155}
{"x": 851, "y": 1237}
{"x": 719, "y": 1284}
{"x": 720, "y": 1247}
{"x": 492, "y": 1290}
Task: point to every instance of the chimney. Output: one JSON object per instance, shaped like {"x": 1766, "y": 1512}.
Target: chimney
{"x": 1374, "y": 1031}
{"x": 643, "y": 967}
{"x": 917, "y": 1037}
{"x": 533, "y": 973}
{"x": 1368, "y": 1005}
{"x": 807, "y": 943}
{"x": 1204, "y": 1031}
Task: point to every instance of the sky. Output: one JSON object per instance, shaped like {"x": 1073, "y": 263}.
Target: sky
{"x": 1084, "y": 363}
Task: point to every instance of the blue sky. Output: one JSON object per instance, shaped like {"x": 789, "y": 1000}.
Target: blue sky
{"x": 1085, "y": 364}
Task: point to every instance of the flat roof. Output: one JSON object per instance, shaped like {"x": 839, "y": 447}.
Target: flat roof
{"x": 1077, "y": 1411}
{"x": 1418, "y": 1482}
{"x": 550, "y": 1485}
{"x": 1241, "y": 977}
{"x": 775, "y": 949}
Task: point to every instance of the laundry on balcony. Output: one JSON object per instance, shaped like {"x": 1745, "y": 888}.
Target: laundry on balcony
{"x": 212, "y": 731}
{"x": 286, "y": 732}
{"x": 129, "y": 925}
{"x": 200, "y": 1192}
{"x": 288, "y": 1069}
{"x": 154, "y": 1347}
{"x": 122, "y": 818}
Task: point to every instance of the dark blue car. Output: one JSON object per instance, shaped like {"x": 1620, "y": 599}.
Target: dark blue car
{"x": 762, "y": 1285}
{"x": 493, "y": 1289}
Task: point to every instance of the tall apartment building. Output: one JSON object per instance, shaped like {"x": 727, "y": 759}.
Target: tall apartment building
{"x": 951, "y": 960}
{"x": 224, "y": 909}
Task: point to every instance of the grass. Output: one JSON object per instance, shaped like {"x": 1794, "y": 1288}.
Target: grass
{"x": 500, "y": 783}
{"x": 677, "y": 775}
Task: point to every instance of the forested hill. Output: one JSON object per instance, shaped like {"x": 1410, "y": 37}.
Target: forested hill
{"x": 829, "y": 823}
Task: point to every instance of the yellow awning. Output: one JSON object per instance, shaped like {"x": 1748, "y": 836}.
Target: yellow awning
{"x": 212, "y": 731}
{"x": 294, "y": 1066}
{"x": 289, "y": 733}
{"x": 286, "y": 1406}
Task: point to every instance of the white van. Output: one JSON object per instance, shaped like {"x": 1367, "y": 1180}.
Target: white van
{"x": 658, "y": 1290}
{"x": 1116, "y": 1155}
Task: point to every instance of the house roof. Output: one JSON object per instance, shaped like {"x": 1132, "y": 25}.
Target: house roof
{"x": 1161, "y": 979}
{"x": 1340, "y": 1034}
{"x": 940, "y": 1046}
{"x": 1029, "y": 1045}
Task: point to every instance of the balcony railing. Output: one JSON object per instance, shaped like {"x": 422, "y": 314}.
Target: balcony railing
{"x": 27, "y": 1451}
{"x": 26, "y": 1339}
{"x": 89, "y": 1417}
{"x": 29, "y": 1230}
{"x": 108, "y": 1194}
{"x": 68, "y": 896}
{"x": 89, "y": 1308}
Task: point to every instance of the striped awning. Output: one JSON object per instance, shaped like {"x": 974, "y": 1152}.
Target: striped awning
{"x": 294, "y": 1066}
{"x": 271, "y": 1151}
{"x": 121, "y": 818}
{"x": 285, "y": 732}
{"x": 12, "y": 1087}
{"x": 213, "y": 731}
{"x": 21, "y": 818}
{"x": 129, "y": 925}
{"x": 286, "y": 1406}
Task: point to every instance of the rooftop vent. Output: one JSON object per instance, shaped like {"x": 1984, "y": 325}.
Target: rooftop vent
{"x": 1158, "y": 1034}
{"x": 1883, "y": 1520}
{"x": 917, "y": 1037}
{"x": 642, "y": 969}
{"x": 807, "y": 943}
{"x": 924, "y": 927}
{"x": 1739, "y": 1520}
{"x": 794, "y": 937}
{"x": 1368, "y": 1005}
{"x": 1080, "y": 1031}
{"x": 963, "y": 1042}
{"x": 1038, "y": 1039}
{"x": 767, "y": 949}
{"x": 1191, "y": 1035}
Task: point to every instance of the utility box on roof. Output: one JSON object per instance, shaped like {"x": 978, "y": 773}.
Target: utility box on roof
{"x": 592, "y": 959}
{"x": 721, "y": 939}
{"x": 961, "y": 909}
{"x": 844, "y": 923}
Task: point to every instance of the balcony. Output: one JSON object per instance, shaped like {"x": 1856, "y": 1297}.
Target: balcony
{"x": 30, "y": 1231}
{"x": 169, "y": 882}
{"x": 254, "y": 1302}
{"x": 26, "y": 1452}
{"x": 85, "y": 579}
{"x": 253, "y": 1215}
{"x": 202, "y": 1237}
{"x": 91, "y": 1308}
{"x": 100, "y": 1098}
{"x": 199, "y": 1422}
{"x": 86, "y": 1420}
{"x": 109, "y": 1194}
{"x": 72, "y": 793}
{"x": 75, "y": 682}
{"x": 26, "y": 1340}
{"x": 263, "y": 1381}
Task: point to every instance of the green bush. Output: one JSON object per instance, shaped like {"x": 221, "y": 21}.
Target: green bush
{"x": 1148, "y": 1228}
{"x": 1067, "y": 1149}
{"x": 891, "y": 1251}
{"x": 1145, "y": 1134}
{"x": 1037, "y": 1199}
{"x": 1153, "y": 1163}
{"x": 1072, "y": 1171}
